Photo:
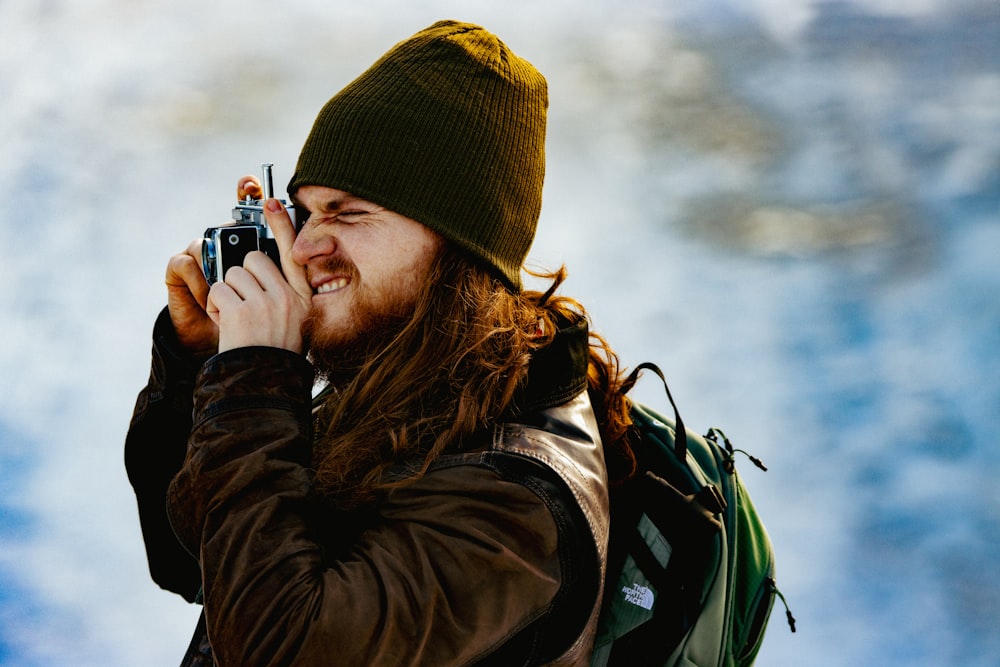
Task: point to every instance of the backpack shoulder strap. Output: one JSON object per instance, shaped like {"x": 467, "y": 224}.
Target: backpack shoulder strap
{"x": 680, "y": 436}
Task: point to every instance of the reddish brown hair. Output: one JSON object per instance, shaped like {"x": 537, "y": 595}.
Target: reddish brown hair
{"x": 448, "y": 372}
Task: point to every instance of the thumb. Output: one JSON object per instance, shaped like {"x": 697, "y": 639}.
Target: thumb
{"x": 283, "y": 229}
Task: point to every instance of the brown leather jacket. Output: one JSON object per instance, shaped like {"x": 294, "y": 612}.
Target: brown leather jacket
{"x": 494, "y": 557}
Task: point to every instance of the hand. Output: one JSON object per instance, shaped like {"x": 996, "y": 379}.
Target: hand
{"x": 249, "y": 185}
{"x": 256, "y": 305}
{"x": 187, "y": 299}
{"x": 187, "y": 290}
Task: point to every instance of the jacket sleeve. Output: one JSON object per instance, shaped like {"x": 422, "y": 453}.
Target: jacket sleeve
{"x": 154, "y": 451}
{"x": 457, "y": 564}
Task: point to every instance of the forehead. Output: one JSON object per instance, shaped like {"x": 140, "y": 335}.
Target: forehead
{"x": 320, "y": 198}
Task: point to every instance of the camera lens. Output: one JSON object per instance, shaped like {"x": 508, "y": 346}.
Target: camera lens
{"x": 208, "y": 259}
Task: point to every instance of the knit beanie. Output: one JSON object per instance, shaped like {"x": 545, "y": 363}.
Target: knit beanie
{"x": 447, "y": 128}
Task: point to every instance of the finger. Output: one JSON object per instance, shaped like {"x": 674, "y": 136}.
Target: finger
{"x": 220, "y": 297}
{"x": 212, "y": 310}
{"x": 184, "y": 271}
{"x": 249, "y": 185}
{"x": 284, "y": 234}
{"x": 194, "y": 249}
{"x": 243, "y": 282}
{"x": 265, "y": 271}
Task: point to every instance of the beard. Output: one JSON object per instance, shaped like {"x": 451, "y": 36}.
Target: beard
{"x": 339, "y": 354}
{"x": 372, "y": 322}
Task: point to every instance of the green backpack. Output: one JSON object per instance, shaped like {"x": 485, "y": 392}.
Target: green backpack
{"x": 690, "y": 576}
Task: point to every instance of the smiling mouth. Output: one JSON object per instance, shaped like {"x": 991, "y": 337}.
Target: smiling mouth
{"x": 332, "y": 286}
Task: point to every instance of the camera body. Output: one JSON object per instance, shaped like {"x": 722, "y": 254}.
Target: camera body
{"x": 227, "y": 246}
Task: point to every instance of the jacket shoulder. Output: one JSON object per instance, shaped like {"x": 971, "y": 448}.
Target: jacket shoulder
{"x": 557, "y": 453}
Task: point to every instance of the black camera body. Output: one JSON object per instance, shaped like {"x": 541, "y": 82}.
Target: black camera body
{"x": 228, "y": 245}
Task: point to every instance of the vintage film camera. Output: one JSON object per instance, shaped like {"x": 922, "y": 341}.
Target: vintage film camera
{"x": 228, "y": 245}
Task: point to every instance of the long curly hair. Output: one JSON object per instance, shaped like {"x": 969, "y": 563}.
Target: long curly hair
{"x": 446, "y": 373}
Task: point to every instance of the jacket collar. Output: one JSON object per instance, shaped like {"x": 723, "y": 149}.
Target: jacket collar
{"x": 557, "y": 372}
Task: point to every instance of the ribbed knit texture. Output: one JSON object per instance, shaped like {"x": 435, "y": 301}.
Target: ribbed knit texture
{"x": 447, "y": 128}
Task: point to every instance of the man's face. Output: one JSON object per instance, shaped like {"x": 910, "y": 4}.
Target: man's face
{"x": 366, "y": 264}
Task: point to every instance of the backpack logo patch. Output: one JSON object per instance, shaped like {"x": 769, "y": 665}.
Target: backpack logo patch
{"x": 638, "y": 595}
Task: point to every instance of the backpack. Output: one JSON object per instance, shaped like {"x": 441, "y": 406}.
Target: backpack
{"x": 690, "y": 573}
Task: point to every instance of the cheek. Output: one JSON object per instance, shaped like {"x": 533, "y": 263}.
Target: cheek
{"x": 411, "y": 256}
{"x": 421, "y": 263}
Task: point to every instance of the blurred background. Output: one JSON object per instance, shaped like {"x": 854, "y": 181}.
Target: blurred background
{"x": 792, "y": 207}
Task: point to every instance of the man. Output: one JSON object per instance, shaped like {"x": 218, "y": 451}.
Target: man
{"x": 445, "y": 501}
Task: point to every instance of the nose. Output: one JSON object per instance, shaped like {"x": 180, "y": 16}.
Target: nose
{"x": 312, "y": 242}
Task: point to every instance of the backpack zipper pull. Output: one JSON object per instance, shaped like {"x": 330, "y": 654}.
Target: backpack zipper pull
{"x": 753, "y": 459}
{"x": 715, "y": 434}
{"x": 788, "y": 612}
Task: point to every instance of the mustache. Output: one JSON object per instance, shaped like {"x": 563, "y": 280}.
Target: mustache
{"x": 332, "y": 265}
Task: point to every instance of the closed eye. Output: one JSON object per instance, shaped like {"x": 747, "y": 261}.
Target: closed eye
{"x": 351, "y": 216}
{"x": 301, "y": 215}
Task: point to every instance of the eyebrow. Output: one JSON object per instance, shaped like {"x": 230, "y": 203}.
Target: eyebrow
{"x": 332, "y": 205}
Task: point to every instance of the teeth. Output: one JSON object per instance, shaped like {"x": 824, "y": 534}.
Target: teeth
{"x": 332, "y": 286}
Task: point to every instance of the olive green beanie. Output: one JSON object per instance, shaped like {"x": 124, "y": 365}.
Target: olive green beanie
{"x": 447, "y": 128}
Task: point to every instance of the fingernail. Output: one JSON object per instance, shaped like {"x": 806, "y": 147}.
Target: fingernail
{"x": 273, "y": 205}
